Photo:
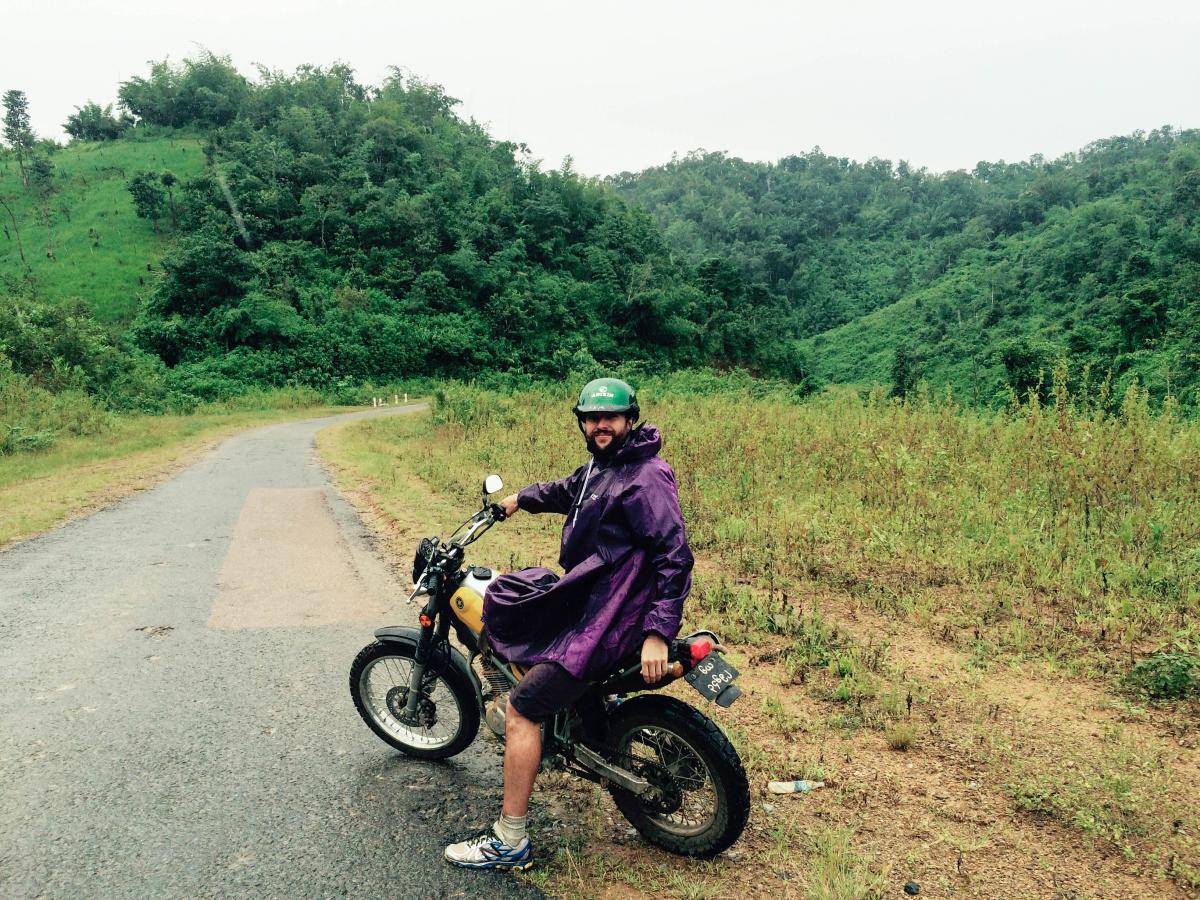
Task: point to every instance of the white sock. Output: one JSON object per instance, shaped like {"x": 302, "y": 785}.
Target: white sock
{"x": 510, "y": 829}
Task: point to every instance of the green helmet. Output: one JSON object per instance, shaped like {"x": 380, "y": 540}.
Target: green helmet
{"x": 607, "y": 395}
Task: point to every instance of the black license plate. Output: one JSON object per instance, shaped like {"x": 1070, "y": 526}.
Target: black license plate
{"x": 712, "y": 677}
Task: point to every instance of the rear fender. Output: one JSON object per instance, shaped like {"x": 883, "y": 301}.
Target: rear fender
{"x": 409, "y": 635}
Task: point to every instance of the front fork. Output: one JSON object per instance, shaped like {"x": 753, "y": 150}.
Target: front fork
{"x": 429, "y": 636}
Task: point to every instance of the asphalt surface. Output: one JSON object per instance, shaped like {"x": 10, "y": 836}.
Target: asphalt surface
{"x": 171, "y": 727}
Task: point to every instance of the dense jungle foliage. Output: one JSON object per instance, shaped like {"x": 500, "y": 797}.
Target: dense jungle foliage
{"x": 976, "y": 280}
{"x": 342, "y": 231}
{"x": 318, "y": 232}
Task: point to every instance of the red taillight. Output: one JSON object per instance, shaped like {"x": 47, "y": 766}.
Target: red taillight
{"x": 424, "y": 620}
{"x": 700, "y": 649}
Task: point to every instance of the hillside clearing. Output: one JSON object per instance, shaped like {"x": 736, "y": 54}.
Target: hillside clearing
{"x": 102, "y": 251}
{"x": 972, "y": 752}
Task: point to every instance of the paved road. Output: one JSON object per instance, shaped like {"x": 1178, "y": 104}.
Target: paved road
{"x": 174, "y": 716}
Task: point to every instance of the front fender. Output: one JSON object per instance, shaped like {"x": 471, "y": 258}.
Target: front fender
{"x": 409, "y": 635}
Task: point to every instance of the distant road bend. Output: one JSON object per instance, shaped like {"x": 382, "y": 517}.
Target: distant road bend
{"x": 174, "y": 717}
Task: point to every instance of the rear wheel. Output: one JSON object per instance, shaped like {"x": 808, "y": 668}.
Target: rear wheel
{"x": 701, "y": 799}
{"x": 447, "y": 717}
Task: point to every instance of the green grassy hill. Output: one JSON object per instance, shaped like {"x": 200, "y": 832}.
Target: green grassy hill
{"x": 103, "y": 253}
{"x": 377, "y": 235}
{"x": 978, "y": 281}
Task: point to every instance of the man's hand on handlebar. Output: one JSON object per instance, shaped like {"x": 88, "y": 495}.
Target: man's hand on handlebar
{"x": 509, "y": 505}
{"x": 654, "y": 659}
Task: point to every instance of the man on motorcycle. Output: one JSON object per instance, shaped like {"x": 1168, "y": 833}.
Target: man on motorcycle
{"x": 627, "y": 572}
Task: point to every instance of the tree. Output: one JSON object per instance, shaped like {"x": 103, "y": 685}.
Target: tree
{"x": 169, "y": 181}
{"x": 41, "y": 177}
{"x": 1186, "y": 197}
{"x": 905, "y": 371}
{"x": 17, "y": 131}
{"x": 1142, "y": 315}
{"x": 207, "y": 92}
{"x": 90, "y": 122}
{"x": 1024, "y": 366}
{"x": 16, "y": 232}
{"x": 148, "y": 197}
{"x": 155, "y": 99}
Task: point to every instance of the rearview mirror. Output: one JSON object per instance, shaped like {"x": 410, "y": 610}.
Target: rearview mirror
{"x": 492, "y": 484}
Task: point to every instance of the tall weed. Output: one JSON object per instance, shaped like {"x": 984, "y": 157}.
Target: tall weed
{"x": 1088, "y": 512}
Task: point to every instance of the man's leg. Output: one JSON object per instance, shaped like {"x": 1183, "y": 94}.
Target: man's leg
{"x": 546, "y": 687}
{"x": 506, "y": 845}
{"x": 522, "y": 757}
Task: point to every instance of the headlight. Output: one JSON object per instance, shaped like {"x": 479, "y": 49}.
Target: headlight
{"x": 423, "y": 556}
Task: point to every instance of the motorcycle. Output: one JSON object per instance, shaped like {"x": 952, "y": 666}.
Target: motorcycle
{"x": 670, "y": 770}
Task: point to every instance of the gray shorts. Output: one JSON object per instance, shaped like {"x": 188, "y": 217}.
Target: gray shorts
{"x": 545, "y": 689}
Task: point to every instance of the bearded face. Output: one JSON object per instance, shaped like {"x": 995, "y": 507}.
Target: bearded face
{"x": 605, "y": 433}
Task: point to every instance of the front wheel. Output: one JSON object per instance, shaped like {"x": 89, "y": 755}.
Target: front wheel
{"x": 701, "y": 799}
{"x": 447, "y": 717}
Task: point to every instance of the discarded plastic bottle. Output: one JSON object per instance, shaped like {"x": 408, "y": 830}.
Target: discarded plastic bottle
{"x": 794, "y": 787}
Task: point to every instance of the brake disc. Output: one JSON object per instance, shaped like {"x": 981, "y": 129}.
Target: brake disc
{"x": 397, "y": 699}
{"x": 397, "y": 702}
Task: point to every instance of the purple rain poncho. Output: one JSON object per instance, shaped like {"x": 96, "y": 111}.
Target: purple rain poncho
{"x": 626, "y": 561}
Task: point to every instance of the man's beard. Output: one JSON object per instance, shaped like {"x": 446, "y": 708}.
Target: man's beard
{"x": 607, "y": 453}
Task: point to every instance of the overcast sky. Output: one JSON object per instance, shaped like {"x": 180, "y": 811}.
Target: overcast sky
{"x": 622, "y": 85}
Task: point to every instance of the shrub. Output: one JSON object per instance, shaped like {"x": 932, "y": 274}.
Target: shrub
{"x": 33, "y": 418}
{"x": 901, "y": 736}
{"x": 1166, "y": 676}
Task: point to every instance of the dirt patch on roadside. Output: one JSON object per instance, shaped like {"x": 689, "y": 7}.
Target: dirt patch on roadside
{"x": 1014, "y": 779}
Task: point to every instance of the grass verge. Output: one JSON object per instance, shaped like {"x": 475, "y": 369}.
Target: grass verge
{"x": 947, "y": 761}
{"x": 81, "y": 474}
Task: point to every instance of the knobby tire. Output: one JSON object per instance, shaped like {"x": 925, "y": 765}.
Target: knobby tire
{"x": 458, "y": 685}
{"x": 725, "y": 769}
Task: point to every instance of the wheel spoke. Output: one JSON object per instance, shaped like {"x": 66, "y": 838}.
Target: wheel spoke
{"x": 386, "y": 674}
{"x": 665, "y": 750}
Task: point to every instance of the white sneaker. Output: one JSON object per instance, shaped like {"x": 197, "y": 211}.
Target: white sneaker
{"x": 487, "y": 851}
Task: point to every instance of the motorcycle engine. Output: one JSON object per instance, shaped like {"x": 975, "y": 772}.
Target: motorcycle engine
{"x": 495, "y": 715}
{"x": 498, "y": 687}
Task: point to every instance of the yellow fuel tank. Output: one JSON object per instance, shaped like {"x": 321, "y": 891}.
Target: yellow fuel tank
{"x": 467, "y": 602}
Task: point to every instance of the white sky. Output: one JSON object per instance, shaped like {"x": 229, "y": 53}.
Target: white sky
{"x": 622, "y": 85}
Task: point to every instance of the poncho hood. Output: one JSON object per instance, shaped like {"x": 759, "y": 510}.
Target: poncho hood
{"x": 643, "y": 442}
